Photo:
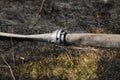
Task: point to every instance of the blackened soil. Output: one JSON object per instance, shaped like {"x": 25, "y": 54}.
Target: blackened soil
{"x": 24, "y": 17}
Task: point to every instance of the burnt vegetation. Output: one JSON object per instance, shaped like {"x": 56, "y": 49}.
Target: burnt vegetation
{"x": 35, "y": 60}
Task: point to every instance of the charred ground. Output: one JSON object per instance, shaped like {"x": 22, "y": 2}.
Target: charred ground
{"x": 37, "y": 60}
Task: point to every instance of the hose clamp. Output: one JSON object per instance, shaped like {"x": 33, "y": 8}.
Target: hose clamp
{"x": 58, "y": 36}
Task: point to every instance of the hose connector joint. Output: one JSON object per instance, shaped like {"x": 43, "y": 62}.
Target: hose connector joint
{"x": 58, "y": 37}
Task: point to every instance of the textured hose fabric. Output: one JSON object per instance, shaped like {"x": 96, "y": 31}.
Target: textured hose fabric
{"x": 97, "y": 40}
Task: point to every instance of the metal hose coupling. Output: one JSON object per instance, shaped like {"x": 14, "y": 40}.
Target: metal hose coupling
{"x": 58, "y": 37}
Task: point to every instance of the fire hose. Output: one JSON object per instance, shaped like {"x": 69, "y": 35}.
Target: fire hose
{"x": 62, "y": 37}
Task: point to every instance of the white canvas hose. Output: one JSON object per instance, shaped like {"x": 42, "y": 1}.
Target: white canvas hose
{"x": 36, "y": 36}
{"x": 97, "y": 40}
{"x": 61, "y": 37}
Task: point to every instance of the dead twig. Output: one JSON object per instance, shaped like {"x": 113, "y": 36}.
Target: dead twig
{"x": 12, "y": 49}
{"x": 8, "y": 67}
{"x": 4, "y": 66}
{"x": 40, "y": 9}
{"x": 36, "y": 18}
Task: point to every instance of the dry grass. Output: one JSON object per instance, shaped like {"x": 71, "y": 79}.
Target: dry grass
{"x": 77, "y": 63}
{"x": 63, "y": 66}
{"x": 73, "y": 63}
{"x": 100, "y": 30}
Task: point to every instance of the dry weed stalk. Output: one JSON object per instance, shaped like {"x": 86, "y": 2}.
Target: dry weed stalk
{"x": 36, "y": 17}
{"x": 8, "y": 67}
{"x": 12, "y": 49}
{"x": 41, "y": 7}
